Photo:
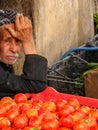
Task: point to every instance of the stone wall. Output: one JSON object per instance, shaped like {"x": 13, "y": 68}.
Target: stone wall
{"x": 58, "y": 24}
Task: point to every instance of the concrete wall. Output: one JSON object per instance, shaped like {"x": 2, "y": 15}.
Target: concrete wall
{"x": 61, "y": 25}
{"x": 95, "y": 5}
{"x": 86, "y": 27}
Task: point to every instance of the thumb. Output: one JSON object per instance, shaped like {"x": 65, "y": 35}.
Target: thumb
{"x": 11, "y": 31}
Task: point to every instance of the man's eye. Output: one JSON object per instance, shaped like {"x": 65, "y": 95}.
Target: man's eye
{"x": 18, "y": 41}
{"x": 7, "y": 40}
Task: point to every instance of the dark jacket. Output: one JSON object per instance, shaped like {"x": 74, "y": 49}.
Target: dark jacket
{"x": 33, "y": 79}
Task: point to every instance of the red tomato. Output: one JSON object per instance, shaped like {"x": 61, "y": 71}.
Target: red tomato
{"x": 29, "y": 128}
{"x": 66, "y": 110}
{"x": 8, "y": 105}
{"x": 85, "y": 124}
{"x": 6, "y": 99}
{"x": 17, "y": 129}
{"x": 67, "y": 121}
{"x": 91, "y": 121}
{"x": 64, "y": 128}
{"x": 36, "y": 104}
{"x": 50, "y": 125}
{"x": 74, "y": 102}
{"x": 60, "y": 104}
{"x": 94, "y": 127}
{"x": 81, "y": 126}
{"x": 48, "y": 105}
{"x": 20, "y": 121}
{"x": 2, "y": 111}
{"x": 35, "y": 122}
{"x": 20, "y": 104}
{"x": 7, "y": 128}
{"x": 49, "y": 116}
{"x": 11, "y": 114}
{"x": 15, "y": 108}
{"x": 20, "y": 97}
{"x": 85, "y": 109}
{"x": 31, "y": 112}
{"x": 78, "y": 115}
{"x": 94, "y": 113}
{"x": 24, "y": 107}
{"x": 4, "y": 122}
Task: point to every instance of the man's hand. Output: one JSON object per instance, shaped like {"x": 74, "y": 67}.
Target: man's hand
{"x": 23, "y": 32}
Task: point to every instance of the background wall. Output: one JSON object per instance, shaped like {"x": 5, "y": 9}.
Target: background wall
{"x": 58, "y": 24}
{"x": 61, "y": 25}
{"x": 95, "y": 5}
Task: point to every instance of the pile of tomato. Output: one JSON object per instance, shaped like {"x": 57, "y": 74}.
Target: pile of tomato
{"x": 22, "y": 113}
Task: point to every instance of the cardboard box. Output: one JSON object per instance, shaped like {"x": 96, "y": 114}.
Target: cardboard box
{"x": 91, "y": 84}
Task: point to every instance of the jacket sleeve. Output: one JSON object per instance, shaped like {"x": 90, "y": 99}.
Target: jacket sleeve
{"x": 33, "y": 79}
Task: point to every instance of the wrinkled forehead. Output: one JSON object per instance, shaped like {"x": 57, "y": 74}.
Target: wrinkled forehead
{"x": 4, "y": 33}
{"x": 7, "y": 17}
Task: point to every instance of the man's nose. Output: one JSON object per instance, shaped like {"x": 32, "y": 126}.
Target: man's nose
{"x": 13, "y": 47}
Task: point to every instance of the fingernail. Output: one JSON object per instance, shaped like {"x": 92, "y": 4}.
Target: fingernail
{"x": 19, "y": 14}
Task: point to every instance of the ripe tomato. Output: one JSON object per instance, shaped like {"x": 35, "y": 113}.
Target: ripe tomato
{"x": 48, "y": 105}
{"x": 50, "y": 125}
{"x": 17, "y": 129}
{"x": 7, "y": 128}
{"x": 31, "y": 112}
{"x": 2, "y": 111}
{"x": 8, "y": 105}
{"x": 78, "y": 115}
{"x": 85, "y": 124}
{"x": 20, "y": 97}
{"x": 67, "y": 121}
{"x": 4, "y": 122}
{"x": 11, "y": 114}
{"x": 94, "y": 113}
{"x": 85, "y": 109}
{"x": 81, "y": 126}
{"x": 35, "y": 122}
{"x": 6, "y": 99}
{"x": 91, "y": 121}
{"x": 20, "y": 121}
{"x": 95, "y": 127}
{"x": 49, "y": 116}
{"x": 66, "y": 110}
{"x": 60, "y": 104}
{"x": 36, "y": 104}
{"x": 24, "y": 107}
{"x": 74, "y": 102}
{"x": 15, "y": 108}
{"x": 64, "y": 128}
{"x": 29, "y": 128}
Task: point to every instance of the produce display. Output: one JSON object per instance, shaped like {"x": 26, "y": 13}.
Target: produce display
{"x": 24, "y": 112}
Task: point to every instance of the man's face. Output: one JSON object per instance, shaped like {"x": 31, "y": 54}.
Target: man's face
{"x": 9, "y": 46}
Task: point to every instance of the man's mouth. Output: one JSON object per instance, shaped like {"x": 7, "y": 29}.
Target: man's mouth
{"x": 12, "y": 57}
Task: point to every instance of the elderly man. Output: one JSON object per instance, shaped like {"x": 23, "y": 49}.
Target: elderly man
{"x": 16, "y": 32}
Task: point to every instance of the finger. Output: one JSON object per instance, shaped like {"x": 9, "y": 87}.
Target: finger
{"x": 11, "y": 31}
{"x": 22, "y": 21}
{"x": 26, "y": 22}
{"x": 17, "y": 21}
{"x": 29, "y": 21}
